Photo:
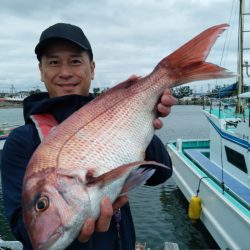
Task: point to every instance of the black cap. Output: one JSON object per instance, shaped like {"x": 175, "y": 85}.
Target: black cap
{"x": 65, "y": 31}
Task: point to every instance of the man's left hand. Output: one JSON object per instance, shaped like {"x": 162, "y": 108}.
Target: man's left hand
{"x": 164, "y": 107}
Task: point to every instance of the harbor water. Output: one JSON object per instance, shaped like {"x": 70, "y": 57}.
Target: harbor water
{"x": 160, "y": 212}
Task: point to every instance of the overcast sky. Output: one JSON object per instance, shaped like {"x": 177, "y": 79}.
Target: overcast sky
{"x": 127, "y": 37}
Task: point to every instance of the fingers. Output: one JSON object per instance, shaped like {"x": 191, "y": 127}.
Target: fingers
{"x": 87, "y": 230}
{"x": 166, "y": 102}
{"x": 157, "y": 123}
{"x": 164, "y": 107}
{"x": 167, "y": 91}
{"x": 103, "y": 222}
{"x": 120, "y": 202}
{"x": 163, "y": 110}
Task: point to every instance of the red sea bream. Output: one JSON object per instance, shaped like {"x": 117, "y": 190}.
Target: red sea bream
{"x": 97, "y": 150}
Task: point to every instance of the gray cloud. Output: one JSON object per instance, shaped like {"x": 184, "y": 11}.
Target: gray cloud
{"x": 128, "y": 37}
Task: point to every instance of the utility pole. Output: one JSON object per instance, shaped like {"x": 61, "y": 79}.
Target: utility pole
{"x": 12, "y": 90}
{"x": 240, "y": 55}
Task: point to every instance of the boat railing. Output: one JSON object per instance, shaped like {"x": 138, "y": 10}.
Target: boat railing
{"x": 225, "y": 108}
{"x": 15, "y": 245}
{"x": 5, "y": 128}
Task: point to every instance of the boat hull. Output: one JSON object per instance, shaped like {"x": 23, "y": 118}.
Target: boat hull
{"x": 226, "y": 219}
{"x": 229, "y": 140}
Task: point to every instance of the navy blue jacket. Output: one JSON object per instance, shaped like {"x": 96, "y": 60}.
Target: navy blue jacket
{"x": 18, "y": 150}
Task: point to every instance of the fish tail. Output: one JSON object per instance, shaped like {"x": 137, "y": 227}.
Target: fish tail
{"x": 188, "y": 64}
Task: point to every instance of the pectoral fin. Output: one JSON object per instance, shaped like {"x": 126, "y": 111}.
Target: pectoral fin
{"x": 138, "y": 176}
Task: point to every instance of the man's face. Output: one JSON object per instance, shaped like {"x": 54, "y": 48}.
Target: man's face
{"x": 66, "y": 69}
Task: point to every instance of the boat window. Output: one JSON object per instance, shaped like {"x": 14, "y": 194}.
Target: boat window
{"x": 236, "y": 158}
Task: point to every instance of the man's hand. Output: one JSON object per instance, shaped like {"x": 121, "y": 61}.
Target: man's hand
{"x": 103, "y": 222}
{"x": 164, "y": 107}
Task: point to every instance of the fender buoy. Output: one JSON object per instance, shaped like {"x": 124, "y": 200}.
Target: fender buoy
{"x": 194, "y": 209}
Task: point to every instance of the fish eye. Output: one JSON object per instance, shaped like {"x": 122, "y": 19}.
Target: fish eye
{"x": 42, "y": 204}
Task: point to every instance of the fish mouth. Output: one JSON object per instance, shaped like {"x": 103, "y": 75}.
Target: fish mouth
{"x": 46, "y": 245}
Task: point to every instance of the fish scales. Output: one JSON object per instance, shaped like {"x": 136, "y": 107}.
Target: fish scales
{"x": 103, "y": 137}
{"x": 105, "y": 133}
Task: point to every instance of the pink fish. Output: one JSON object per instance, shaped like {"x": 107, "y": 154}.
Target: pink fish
{"x": 97, "y": 151}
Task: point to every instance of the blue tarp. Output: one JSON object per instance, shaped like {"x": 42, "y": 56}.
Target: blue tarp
{"x": 226, "y": 91}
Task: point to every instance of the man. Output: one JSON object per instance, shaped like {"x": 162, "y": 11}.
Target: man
{"x": 67, "y": 68}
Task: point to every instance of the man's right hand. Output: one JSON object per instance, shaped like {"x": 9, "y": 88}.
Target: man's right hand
{"x": 102, "y": 223}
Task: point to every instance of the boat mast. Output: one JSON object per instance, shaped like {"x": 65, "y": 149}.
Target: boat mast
{"x": 240, "y": 55}
{"x": 240, "y": 58}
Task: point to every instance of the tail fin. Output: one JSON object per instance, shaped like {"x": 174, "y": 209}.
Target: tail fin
{"x": 188, "y": 64}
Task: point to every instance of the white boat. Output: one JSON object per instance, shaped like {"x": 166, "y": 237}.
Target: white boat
{"x": 14, "y": 99}
{"x": 216, "y": 171}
